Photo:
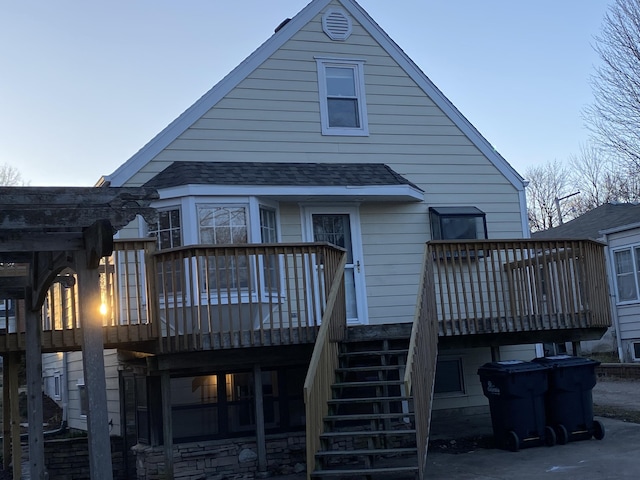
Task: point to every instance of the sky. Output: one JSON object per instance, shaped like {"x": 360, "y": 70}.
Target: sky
{"x": 85, "y": 85}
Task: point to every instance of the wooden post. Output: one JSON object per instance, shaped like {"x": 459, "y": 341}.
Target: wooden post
{"x": 261, "y": 443}
{"x": 577, "y": 349}
{"x": 167, "y": 425}
{"x": 495, "y": 354}
{"x": 6, "y": 414}
{"x": 100, "y": 465}
{"x": 14, "y": 362}
{"x": 34, "y": 392}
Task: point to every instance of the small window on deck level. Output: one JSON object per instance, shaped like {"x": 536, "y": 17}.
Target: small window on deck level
{"x": 457, "y": 223}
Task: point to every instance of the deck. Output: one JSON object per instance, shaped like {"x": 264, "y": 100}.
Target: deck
{"x": 215, "y": 297}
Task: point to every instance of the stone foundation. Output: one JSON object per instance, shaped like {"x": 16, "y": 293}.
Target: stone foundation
{"x": 228, "y": 459}
{"x": 68, "y": 459}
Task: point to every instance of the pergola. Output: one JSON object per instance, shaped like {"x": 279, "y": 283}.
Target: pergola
{"x": 43, "y": 231}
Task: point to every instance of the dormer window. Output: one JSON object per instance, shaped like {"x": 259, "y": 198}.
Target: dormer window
{"x": 343, "y": 109}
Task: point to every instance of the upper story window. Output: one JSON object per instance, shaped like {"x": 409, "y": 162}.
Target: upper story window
{"x": 343, "y": 109}
{"x": 457, "y": 223}
{"x": 626, "y": 263}
{"x": 167, "y": 229}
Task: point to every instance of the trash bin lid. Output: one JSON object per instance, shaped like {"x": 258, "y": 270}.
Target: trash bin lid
{"x": 510, "y": 366}
{"x": 566, "y": 361}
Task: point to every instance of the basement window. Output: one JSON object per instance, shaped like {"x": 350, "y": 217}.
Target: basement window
{"x": 449, "y": 377}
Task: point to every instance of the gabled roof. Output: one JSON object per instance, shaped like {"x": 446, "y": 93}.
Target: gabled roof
{"x": 591, "y": 224}
{"x": 277, "y": 174}
{"x": 220, "y": 90}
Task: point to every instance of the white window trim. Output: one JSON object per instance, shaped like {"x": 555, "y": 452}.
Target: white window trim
{"x": 80, "y": 383}
{"x": 460, "y": 360}
{"x": 614, "y": 273}
{"x": 57, "y": 377}
{"x": 358, "y": 68}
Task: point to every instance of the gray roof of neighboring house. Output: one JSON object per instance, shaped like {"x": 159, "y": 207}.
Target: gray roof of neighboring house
{"x": 590, "y": 224}
{"x": 274, "y": 174}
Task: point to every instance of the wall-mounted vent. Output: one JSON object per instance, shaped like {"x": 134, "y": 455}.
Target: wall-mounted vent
{"x": 336, "y": 24}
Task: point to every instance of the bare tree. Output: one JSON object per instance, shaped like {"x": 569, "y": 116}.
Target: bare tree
{"x": 614, "y": 117}
{"x": 547, "y": 182}
{"x": 599, "y": 179}
{"x": 10, "y": 176}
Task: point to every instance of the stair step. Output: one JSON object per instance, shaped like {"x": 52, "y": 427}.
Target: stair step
{"x": 367, "y": 433}
{"x": 351, "y": 400}
{"x": 372, "y": 353}
{"x": 368, "y": 368}
{"x": 373, "y": 451}
{"x": 366, "y": 416}
{"x": 364, "y": 471}
{"x": 370, "y": 383}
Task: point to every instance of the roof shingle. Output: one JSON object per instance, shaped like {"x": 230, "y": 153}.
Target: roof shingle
{"x": 275, "y": 174}
{"x": 590, "y": 224}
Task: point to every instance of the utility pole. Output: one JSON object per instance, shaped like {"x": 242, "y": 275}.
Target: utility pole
{"x": 557, "y": 200}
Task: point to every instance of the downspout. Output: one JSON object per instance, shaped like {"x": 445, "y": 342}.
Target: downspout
{"x": 65, "y": 390}
{"x": 613, "y": 298}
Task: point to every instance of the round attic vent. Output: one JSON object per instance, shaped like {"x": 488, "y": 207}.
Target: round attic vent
{"x": 336, "y": 24}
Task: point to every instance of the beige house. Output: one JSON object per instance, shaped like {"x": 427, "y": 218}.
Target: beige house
{"x": 324, "y": 183}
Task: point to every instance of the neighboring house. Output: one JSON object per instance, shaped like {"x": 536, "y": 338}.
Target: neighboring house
{"x": 326, "y": 145}
{"x": 618, "y": 226}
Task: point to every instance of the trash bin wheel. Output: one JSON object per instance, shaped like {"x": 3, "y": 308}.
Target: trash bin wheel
{"x": 562, "y": 434}
{"x": 598, "y": 430}
{"x": 512, "y": 441}
{"x": 549, "y": 436}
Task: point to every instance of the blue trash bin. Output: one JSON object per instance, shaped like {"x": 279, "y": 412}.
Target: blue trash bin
{"x": 516, "y": 390}
{"x": 569, "y": 400}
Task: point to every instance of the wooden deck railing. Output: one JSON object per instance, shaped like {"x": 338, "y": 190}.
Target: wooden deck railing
{"x": 324, "y": 361}
{"x": 243, "y": 295}
{"x": 524, "y": 285}
{"x": 420, "y": 370}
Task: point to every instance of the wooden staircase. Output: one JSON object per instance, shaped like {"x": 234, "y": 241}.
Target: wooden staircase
{"x": 369, "y": 431}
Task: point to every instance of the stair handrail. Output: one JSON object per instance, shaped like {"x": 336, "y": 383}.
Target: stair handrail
{"x": 420, "y": 369}
{"x": 324, "y": 361}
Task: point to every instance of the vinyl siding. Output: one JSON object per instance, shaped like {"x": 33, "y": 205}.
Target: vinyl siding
{"x": 628, "y": 314}
{"x": 472, "y": 359}
{"x": 76, "y": 374}
{"x": 274, "y": 115}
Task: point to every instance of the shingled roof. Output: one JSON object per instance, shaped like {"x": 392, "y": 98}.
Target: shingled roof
{"x": 590, "y": 224}
{"x": 277, "y": 174}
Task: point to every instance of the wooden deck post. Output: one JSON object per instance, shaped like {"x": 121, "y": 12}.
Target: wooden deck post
{"x": 11, "y": 447}
{"x": 16, "y": 448}
{"x": 34, "y": 392}
{"x": 167, "y": 425}
{"x": 495, "y": 354}
{"x": 100, "y": 465}
{"x": 261, "y": 444}
{"x": 6, "y": 414}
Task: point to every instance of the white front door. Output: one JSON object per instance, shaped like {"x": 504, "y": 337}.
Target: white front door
{"x": 341, "y": 226}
